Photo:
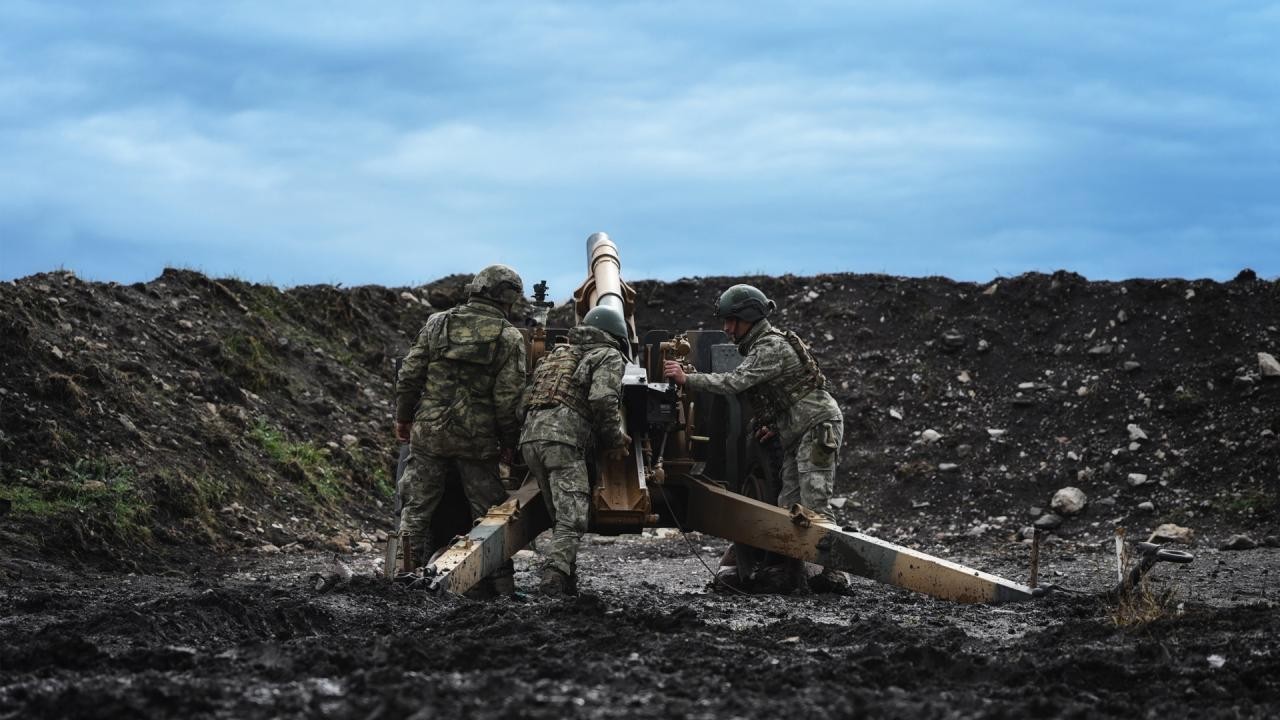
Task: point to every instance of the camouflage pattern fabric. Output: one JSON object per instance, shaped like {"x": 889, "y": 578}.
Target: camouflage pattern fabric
{"x": 422, "y": 485}
{"x": 810, "y": 422}
{"x": 598, "y": 378}
{"x": 556, "y": 439}
{"x": 462, "y": 382}
{"x": 561, "y": 472}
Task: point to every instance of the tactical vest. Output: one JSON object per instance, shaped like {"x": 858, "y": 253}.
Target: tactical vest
{"x": 771, "y": 399}
{"x": 555, "y": 382}
{"x": 459, "y": 388}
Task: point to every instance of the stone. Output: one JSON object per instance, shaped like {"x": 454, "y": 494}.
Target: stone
{"x": 1104, "y": 349}
{"x": 1271, "y": 541}
{"x": 995, "y": 432}
{"x": 948, "y": 467}
{"x": 931, "y": 436}
{"x": 1239, "y": 542}
{"x": 963, "y": 377}
{"x": 983, "y": 346}
{"x": 56, "y": 352}
{"x": 1036, "y": 511}
{"x": 1136, "y": 479}
{"x": 952, "y": 339}
{"x": 1135, "y": 432}
{"x": 1069, "y": 501}
{"x": 1132, "y": 366}
{"x": 1048, "y": 521}
{"x": 1268, "y": 365}
{"x": 895, "y": 413}
{"x": 268, "y": 549}
{"x": 1169, "y": 532}
{"x": 1147, "y": 506}
{"x": 350, "y": 440}
{"x": 838, "y": 502}
{"x": 409, "y": 297}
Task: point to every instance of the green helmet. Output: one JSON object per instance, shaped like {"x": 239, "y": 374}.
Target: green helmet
{"x": 608, "y": 320}
{"x": 745, "y": 303}
{"x": 499, "y": 283}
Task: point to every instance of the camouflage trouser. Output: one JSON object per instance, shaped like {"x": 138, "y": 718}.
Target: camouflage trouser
{"x": 423, "y": 483}
{"x": 561, "y": 473}
{"x": 809, "y": 468}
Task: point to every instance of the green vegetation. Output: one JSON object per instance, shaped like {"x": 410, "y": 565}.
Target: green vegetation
{"x": 383, "y": 484}
{"x": 301, "y": 461}
{"x": 247, "y": 361}
{"x": 101, "y": 495}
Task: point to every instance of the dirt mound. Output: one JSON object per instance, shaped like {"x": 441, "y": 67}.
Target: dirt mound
{"x": 163, "y": 418}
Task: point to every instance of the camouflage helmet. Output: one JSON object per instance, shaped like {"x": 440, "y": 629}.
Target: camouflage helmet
{"x": 608, "y": 320}
{"x": 499, "y": 283}
{"x": 745, "y": 303}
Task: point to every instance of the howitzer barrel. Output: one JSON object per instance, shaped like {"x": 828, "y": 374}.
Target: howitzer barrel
{"x": 605, "y": 267}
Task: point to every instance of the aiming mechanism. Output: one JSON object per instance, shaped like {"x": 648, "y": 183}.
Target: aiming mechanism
{"x": 693, "y": 466}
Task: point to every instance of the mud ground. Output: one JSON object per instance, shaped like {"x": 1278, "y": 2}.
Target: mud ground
{"x": 293, "y": 635}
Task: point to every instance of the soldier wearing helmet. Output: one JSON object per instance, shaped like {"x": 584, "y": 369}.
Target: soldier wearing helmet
{"x": 573, "y": 408}
{"x": 458, "y": 404}
{"x": 787, "y": 392}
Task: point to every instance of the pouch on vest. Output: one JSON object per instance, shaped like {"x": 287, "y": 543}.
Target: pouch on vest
{"x": 473, "y": 341}
{"x": 822, "y": 452}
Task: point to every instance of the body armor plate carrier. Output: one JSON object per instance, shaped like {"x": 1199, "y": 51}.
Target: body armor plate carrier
{"x": 773, "y": 399}
{"x": 554, "y": 382}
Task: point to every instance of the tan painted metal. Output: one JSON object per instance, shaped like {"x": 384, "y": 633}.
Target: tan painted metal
{"x": 496, "y": 537}
{"x": 807, "y": 536}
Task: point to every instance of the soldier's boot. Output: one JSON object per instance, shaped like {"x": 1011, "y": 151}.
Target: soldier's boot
{"x": 504, "y": 580}
{"x": 554, "y": 582}
{"x": 829, "y": 580}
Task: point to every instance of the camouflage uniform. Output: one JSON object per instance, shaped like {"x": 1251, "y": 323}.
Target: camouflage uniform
{"x": 558, "y": 430}
{"x": 788, "y": 394}
{"x": 461, "y": 384}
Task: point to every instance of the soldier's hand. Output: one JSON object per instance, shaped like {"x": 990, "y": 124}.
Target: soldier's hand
{"x": 764, "y": 434}
{"x": 672, "y": 369}
{"x": 403, "y": 430}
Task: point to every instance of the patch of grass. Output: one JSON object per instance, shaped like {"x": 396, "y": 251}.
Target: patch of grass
{"x": 102, "y": 495}
{"x": 1254, "y": 502}
{"x": 1142, "y": 605}
{"x": 383, "y": 484}
{"x": 247, "y": 361}
{"x": 300, "y": 461}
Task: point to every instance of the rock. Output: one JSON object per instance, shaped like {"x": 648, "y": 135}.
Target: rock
{"x": 952, "y": 340}
{"x": 364, "y": 546}
{"x": 1239, "y": 542}
{"x": 56, "y": 351}
{"x": 1132, "y": 366}
{"x": 977, "y": 530}
{"x": 838, "y": 502}
{"x": 963, "y": 377}
{"x": 1122, "y": 317}
{"x": 1036, "y": 511}
{"x": 983, "y": 346}
{"x": 350, "y": 440}
{"x": 995, "y": 432}
{"x": 963, "y": 450}
{"x": 1271, "y": 541}
{"x": 409, "y": 297}
{"x": 1169, "y": 532}
{"x": 1135, "y": 432}
{"x": 1268, "y": 432}
{"x": 1268, "y": 365}
{"x": 1104, "y": 349}
{"x": 948, "y": 467}
{"x": 1048, "y": 521}
{"x": 1136, "y": 479}
{"x": 1147, "y": 506}
{"x": 895, "y": 413}
{"x": 1069, "y": 501}
{"x": 268, "y": 549}
{"x": 1190, "y": 293}
{"x": 931, "y": 436}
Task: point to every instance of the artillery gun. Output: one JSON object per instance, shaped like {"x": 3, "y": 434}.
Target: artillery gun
{"x": 693, "y": 466}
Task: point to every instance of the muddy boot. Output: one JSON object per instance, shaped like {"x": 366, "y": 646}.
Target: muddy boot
{"x": 504, "y": 580}
{"x": 554, "y": 583}
{"x": 829, "y": 580}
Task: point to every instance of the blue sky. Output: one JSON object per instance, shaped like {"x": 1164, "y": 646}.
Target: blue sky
{"x": 396, "y": 142}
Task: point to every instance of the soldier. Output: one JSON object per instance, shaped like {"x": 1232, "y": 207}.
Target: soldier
{"x": 576, "y": 390}
{"x": 787, "y": 392}
{"x": 458, "y": 401}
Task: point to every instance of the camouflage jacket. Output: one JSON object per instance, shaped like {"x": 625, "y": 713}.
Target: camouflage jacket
{"x": 462, "y": 382}
{"x": 777, "y": 382}
{"x": 599, "y": 377}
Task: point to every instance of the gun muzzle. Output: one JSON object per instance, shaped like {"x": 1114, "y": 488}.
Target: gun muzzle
{"x": 605, "y": 267}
